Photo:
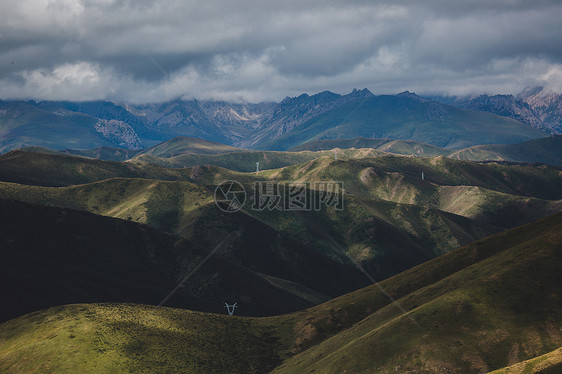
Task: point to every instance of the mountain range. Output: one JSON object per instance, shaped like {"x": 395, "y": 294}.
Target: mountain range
{"x": 438, "y": 253}
{"x": 536, "y": 107}
{"x": 268, "y": 125}
{"x": 393, "y": 219}
{"x": 183, "y": 152}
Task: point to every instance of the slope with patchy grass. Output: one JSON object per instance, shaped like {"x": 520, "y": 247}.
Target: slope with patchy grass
{"x": 44, "y": 169}
{"x": 549, "y": 363}
{"x": 185, "y": 144}
{"x": 471, "y": 310}
{"x": 392, "y": 218}
{"x": 53, "y": 256}
{"x": 544, "y": 150}
{"x": 476, "y": 309}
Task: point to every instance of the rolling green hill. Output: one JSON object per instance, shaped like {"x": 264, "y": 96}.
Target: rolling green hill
{"x": 189, "y": 211}
{"x": 476, "y": 309}
{"x": 408, "y": 147}
{"x": 328, "y": 144}
{"x": 392, "y": 220}
{"x": 22, "y": 124}
{"x": 52, "y": 256}
{"x": 539, "y": 181}
{"x": 187, "y": 152}
{"x": 392, "y": 236}
{"x": 544, "y": 150}
{"x": 549, "y": 363}
{"x": 64, "y": 170}
{"x": 239, "y": 161}
{"x": 401, "y": 147}
{"x": 103, "y": 153}
{"x": 406, "y": 117}
{"x": 472, "y": 310}
{"x": 100, "y": 153}
{"x": 246, "y": 161}
{"x": 101, "y": 244}
{"x": 183, "y": 144}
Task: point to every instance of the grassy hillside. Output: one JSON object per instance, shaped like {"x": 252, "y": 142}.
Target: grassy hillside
{"x": 408, "y": 147}
{"x": 119, "y": 338}
{"x": 392, "y": 215}
{"x": 392, "y": 218}
{"x": 189, "y": 211}
{"x": 476, "y": 309}
{"x": 472, "y": 310}
{"x": 100, "y": 153}
{"x": 545, "y": 150}
{"x": 328, "y": 144}
{"x": 53, "y": 256}
{"x": 246, "y": 161}
{"x": 400, "y": 147}
{"x": 64, "y": 170}
{"x": 374, "y": 176}
{"x": 549, "y": 363}
{"x": 187, "y": 152}
{"x": 184, "y": 144}
{"x": 391, "y": 236}
{"x": 239, "y": 161}
{"x": 40, "y": 150}
{"x": 167, "y": 149}
{"x": 407, "y": 117}
{"x": 22, "y": 124}
{"x": 103, "y": 153}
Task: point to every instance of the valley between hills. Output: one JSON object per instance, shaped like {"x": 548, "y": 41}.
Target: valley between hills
{"x": 474, "y": 309}
{"x": 94, "y": 240}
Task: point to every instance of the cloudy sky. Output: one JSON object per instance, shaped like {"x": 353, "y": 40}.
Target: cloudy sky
{"x": 254, "y": 50}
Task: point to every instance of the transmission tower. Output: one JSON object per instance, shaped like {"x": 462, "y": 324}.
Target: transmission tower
{"x": 230, "y": 308}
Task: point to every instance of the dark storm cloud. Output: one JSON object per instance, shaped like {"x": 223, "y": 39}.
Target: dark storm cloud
{"x": 254, "y": 50}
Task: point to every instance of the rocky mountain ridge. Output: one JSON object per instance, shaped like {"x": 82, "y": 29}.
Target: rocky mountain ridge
{"x": 537, "y": 107}
{"x": 83, "y": 125}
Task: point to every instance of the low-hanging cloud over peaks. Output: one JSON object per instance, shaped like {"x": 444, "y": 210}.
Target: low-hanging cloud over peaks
{"x": 144, "y": 51}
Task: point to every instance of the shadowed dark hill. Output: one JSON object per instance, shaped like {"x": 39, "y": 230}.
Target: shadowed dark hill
{"x": 54, "y": 256}
{"x": 63, "y": 170}
{"x": 393, "y": 219}
{"x": 476, "y": 309}
{"x": 462, "y": 312}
